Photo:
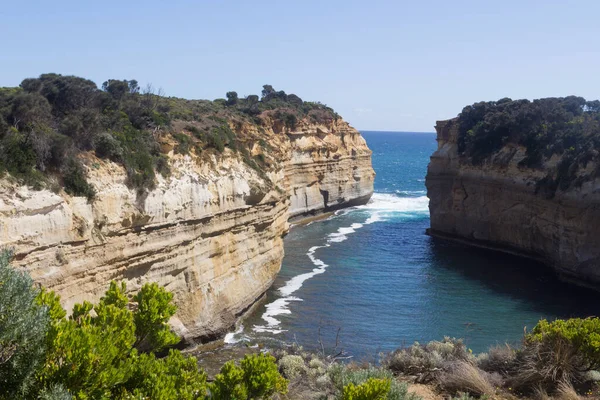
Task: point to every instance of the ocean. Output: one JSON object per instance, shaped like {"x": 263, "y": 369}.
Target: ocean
{"x": 369, "y": 280}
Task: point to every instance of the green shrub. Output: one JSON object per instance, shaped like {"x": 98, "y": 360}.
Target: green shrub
{"x": 55, "y": 392}
{"x": 138, "y": 159}
{"x": 154, "y": 309}
{"x": 172, "y": 377}
{"x": 23, "y": 327}
{"x": 115, "y": 295}
{"x": 162, "y": 166}
{"x": 261, "y": 376}
{"x": 229, "y": 384}
{"x": 372, "y": 389}
{"x": 342, "y": 376}
{"x": 90, "y": 355}
{"x": 583, "y": 335}
{"x": 17, "y": 155}
{"x": 75, "y": 181}
{"x": 257, "y": 377}
{"x": 183, "y": 143}
{"x": 292, "y": 366}
{"x": 555, "y": 352}
{"x": 106, "y": 146}
{"x": 290, "y": 120}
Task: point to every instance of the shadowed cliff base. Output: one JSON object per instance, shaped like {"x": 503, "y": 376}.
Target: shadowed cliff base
{"x": 537, "y": 262}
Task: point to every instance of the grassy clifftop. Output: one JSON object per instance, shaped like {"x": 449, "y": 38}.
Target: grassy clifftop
{"x": 48, "y": 122}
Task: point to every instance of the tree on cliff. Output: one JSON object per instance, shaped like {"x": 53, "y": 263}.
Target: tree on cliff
{"x": 232, "y": 98}
{"x": 567, "y": 127}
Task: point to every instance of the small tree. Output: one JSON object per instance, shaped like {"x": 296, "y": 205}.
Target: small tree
{"x": 232, "y": 98}
{"x": 267, "y": 91}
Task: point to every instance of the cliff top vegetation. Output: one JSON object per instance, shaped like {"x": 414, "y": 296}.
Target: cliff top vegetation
{"x": 48, "y": 122}
{"x": 566, "y": 127}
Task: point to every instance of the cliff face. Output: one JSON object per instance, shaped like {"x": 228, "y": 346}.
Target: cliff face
{"x": 211, "y": 233}
{"x": 497, "y": 205}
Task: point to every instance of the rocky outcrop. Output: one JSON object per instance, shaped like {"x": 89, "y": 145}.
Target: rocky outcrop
{"x": 497, "y": 205}
{"x": 211, "y": 232}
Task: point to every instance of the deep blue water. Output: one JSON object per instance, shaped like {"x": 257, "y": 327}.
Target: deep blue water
{"x": 372, "y": 274}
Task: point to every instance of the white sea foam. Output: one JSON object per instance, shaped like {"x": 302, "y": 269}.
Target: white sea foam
{"x": 384, "y": 205}
{"x": 391, "y": 202}
{"x": 379, "y": 208}
{"x": 274, "y": 309}
{"x": 234, "y": 337}
{"x": 410, "y": 192}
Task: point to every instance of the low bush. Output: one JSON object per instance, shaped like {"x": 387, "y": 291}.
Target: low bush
{"x": 555, "y": 352}
{"x": 257, "y": 377}
{"x": 427, "y": 361}
{"x": 106, "y": 146}
{"x": 183, "y": 143}
{"x": 499, "y": 358}
{"x": 292, "y": 366}
{"x": 75, "y": 180}
{"x": 372, "y": 389}
{"x": 342, "y": 376}
{"x": 583, "y": 335}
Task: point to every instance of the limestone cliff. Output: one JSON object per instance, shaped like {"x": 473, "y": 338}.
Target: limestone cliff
{"x": 498, "y": 204}
{"x": 211, "y": 232}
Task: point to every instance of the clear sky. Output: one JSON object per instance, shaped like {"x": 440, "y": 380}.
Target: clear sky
{"x": 383, "y": 65}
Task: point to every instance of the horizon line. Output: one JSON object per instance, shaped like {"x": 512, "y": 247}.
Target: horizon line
{"x": 388, "y": 131}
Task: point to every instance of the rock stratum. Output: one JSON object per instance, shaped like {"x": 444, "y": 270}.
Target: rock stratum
{"x": 500, "y": 203}
{"x": 211, "y": 232}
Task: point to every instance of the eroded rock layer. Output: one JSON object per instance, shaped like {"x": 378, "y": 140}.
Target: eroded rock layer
{"x": 497, "y": 205}
{"x": 211, "y": 232}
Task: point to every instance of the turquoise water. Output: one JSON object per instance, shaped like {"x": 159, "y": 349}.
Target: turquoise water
{"x": 372, "y": 275}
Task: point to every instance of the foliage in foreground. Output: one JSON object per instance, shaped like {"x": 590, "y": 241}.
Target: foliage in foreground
{"x": 106, "y": 350}
{"x": 22, "y": 328}
{"x": 257, "y": 377}
{"x": 555, "y": 358}
{"x": 372, "y": 389}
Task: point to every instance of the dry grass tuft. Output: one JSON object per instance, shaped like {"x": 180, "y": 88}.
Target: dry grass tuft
{"x": 500, "y": 359}
{"x": 463, "y": 376}
{"x": 539, "y": 393}
{"x": 427, "y": 361}
{"x": 546, "y": 364}
{"x": 565, "y": 391}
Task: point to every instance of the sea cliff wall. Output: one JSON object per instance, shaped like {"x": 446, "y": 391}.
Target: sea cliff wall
{"x": 211, "y": 232}
{"x": 497, "y": 205}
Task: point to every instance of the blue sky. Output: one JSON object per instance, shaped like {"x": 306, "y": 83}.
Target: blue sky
{"x": 383, "y": 65}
